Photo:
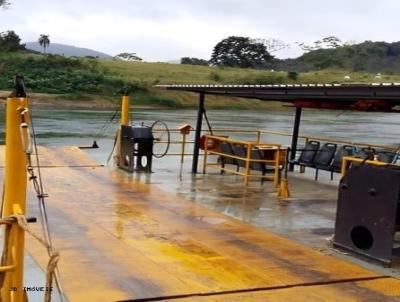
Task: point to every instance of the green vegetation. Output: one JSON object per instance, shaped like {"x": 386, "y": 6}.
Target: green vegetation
{"x": 44, "y": 41}
{"x": 367, "y": 56}
{"x": 84, "y": 79}
{"x": 10, "y": 42}
{"x": 149, "y": 74}
{"x": 240, "y": 52}
{"x": 59, "y": 75}
{"x": 194, "y": 61}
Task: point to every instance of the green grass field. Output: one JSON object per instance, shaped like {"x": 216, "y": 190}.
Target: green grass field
{"x": 150, "y": 74}
{"x": 163, "y": 73}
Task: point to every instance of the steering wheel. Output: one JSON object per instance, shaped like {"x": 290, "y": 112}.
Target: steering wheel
{"x": 162, "y": 139}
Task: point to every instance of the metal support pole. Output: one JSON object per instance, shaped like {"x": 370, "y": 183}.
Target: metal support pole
{"x": 15, "y": 183}
{"x": 295, "y": 136}
{"x": 196, "y": 149}
{"x": 125, "y": 102}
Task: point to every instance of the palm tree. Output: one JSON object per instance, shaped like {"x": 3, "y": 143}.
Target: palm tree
{"x": 44, "y": 41}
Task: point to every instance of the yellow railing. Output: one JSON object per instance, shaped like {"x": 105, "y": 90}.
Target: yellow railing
{"x": 276, "y": 162}
{"x": 259, "y": 136}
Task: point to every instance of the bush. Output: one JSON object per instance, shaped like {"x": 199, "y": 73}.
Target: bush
{"x": 61, "y": 75}
{"x": 214, "y": 76}
{"x": 293, "y": 75}
{"x": 194, "y": 61}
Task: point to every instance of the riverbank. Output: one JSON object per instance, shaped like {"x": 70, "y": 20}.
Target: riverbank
{"x": 178, "y": 101}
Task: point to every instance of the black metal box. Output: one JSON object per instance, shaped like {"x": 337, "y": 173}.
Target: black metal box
{"x": 136, "y": 148}
{"x": 368, "y": 212}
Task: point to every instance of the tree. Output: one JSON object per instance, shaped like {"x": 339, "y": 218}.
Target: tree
{"x": 128, "y": 56}
{"x": 194, "y": 61}
{"x": 273, "y": 45}
{"x": 324, "y": 43}
{"x": 10, "y": 41}
{"x": 240, "y": 52}
{"x": 4, "y": 3}
{"x": 44, "y": 41}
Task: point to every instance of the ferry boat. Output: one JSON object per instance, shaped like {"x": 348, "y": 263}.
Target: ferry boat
{"x": 98, "y": 233}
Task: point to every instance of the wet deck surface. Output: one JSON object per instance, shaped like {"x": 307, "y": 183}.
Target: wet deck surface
{"x": 122, "y": 239}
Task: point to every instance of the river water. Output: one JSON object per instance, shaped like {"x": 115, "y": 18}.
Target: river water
{"x": 79, "y": 127}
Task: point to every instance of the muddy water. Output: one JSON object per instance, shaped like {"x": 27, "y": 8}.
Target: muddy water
{"x": 77, "y": 127}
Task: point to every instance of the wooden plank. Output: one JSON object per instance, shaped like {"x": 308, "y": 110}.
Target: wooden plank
{"x": 68, "y": 156}
{"x": 387, "y": 289}
{"x": 134, "y": 241}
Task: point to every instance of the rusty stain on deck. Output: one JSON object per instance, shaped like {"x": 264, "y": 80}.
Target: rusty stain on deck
{"x": 124, "y": 240}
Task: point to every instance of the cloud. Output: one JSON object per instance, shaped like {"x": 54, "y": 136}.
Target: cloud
{"x": 166, "y": 30}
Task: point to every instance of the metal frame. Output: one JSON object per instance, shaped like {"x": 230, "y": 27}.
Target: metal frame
{"x": 276, "y": 148}
{"x": 318, "y": 94}
{"x": 311, "y": 92}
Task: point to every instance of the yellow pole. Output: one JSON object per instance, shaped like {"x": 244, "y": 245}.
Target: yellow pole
{"x": 276, "y": 172}
{"x": 183, "y": 147}
{"x": 125, "y": 110}
{"x": 248, "y": 159}
{"x": 15, "y": 183}
{"x": 124, "y": 122}
{"x": 343, "y": 169}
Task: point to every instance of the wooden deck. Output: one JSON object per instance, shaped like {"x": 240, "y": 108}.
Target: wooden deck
{"x": 123, "y": 240}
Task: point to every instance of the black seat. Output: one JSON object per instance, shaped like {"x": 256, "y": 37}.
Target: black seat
{"x": 260, "y": 166}
{"x": 336, "y": 166}
{"x": 324, "y": 157}
{"x": 226, "y": 148}
{"x": 366, "y": 153}
{"x": 240, "y": 151}
{"x": 386, "y": 156}
{"x": 307, "y": 154}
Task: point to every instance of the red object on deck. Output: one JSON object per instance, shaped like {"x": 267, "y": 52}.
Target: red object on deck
{"x": 359, "y": 105}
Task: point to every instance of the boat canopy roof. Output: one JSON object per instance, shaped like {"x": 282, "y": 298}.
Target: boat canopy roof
{"x": 294, "y": 92}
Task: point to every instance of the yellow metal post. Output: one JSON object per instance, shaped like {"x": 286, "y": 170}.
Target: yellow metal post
{"x": 184, "y": 130}
{"x": 15, "y": 183}
{"x": 276, "y": 172}
{"x": 125, "y": 110}
{"x": 183, "y": 148}
{"x": 124, "y": 122}
{"x": 247, "y": 168}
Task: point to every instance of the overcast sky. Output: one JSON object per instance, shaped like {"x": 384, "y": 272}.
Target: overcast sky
{"x": 170, "y": 29}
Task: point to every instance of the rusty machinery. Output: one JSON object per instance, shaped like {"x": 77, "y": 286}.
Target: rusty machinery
{"x": 368, "y": 213}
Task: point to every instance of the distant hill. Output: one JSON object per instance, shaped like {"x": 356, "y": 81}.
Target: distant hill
{"x": 67, "y": 50}
{"x": 382, "y": 57}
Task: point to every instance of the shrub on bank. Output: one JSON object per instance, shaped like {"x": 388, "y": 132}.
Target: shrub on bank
{"x": 61, "y": 75}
